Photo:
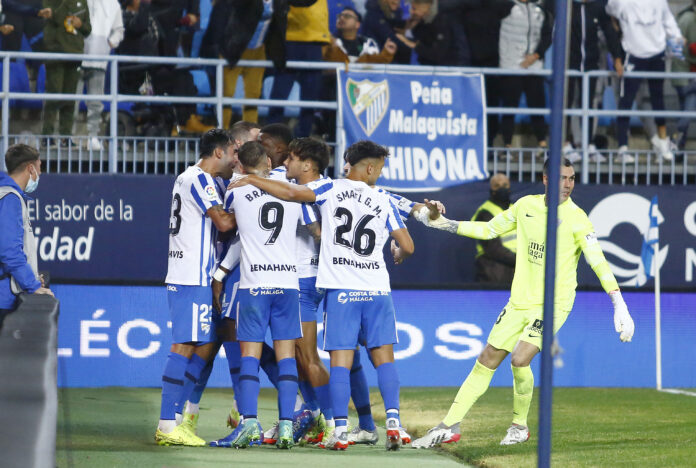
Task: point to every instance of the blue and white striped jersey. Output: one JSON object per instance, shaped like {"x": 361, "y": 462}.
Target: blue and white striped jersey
{"x": 356, "y": 221}
{"x": 402, "y": 204}
{"x": 192, "y": 234}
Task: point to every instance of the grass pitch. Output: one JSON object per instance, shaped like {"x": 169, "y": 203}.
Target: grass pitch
{"x": 114, "y": 427}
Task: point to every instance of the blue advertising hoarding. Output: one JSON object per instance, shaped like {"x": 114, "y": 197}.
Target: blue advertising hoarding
{"x": 119, "y": 335}
{"x": 102, "y": 227}
{"x": 114, "y": 228}
{"x": 433, "y": 125}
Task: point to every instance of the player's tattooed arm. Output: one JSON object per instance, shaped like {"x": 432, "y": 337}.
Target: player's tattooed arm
{"x": 222, "y": 220}
{"x": 315, "y": 230}
{"x": 277, "y": 188}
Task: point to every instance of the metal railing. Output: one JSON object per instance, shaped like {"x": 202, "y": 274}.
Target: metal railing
{"x": 166, "y": 155}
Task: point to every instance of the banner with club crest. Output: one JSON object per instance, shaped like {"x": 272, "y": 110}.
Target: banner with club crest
{"x": 433, "y": 125}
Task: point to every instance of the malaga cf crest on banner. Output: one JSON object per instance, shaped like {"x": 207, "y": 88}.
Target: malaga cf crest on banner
{"x": 369, "y": 102}
{"x": 433, "y": 125}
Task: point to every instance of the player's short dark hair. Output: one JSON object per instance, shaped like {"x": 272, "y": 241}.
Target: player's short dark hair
{"x": 252, "y": 154}
{"x": 364, "y": 149}
{"x": 240, "y": 130}
{"x": 565, "y": 162}
{"x": 313, "y": 149}
{"x": 278, "y": 131}
{"x": 18, "y": 156}
{"x": 213, "y": 139}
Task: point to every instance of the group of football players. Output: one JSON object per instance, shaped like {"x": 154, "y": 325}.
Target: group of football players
{"x": 259, "y": 239}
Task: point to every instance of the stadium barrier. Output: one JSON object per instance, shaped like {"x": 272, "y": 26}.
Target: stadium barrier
{"x": 110, "y": 228}
{"x": 128, "y": 154}
{"x": 120, "y": 335}
{"x": 28, "y": 392}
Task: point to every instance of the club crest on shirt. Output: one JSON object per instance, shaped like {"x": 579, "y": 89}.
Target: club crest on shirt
{"x": 369, "y": 102}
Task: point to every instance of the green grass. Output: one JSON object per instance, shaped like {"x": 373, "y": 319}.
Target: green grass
{"x": 592, "y": 427}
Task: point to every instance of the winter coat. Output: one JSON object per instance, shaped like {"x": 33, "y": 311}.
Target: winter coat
{"x": 56, "y": 36}
{"x": 586, "y": 20}
{"x": 525, "y": 30}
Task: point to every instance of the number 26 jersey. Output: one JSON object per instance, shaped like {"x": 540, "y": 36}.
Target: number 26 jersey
{"x": 356, "y": 221}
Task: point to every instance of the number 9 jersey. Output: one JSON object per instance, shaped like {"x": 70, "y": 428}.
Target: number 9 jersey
{"x": 268, "y": 233}
{"x": 356, "y": 222}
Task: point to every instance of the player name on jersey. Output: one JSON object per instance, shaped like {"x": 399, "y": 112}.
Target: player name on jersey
{"x": 359, "y": 197}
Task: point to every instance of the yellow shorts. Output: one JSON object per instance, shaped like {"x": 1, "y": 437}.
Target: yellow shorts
{"x": 526, "y": 325}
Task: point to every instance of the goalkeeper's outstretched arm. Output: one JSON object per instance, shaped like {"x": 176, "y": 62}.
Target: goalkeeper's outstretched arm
{"x": 431, "y": 217}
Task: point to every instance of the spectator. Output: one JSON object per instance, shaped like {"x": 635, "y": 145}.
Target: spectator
{"x": 646, "y": 26}
{"x": 170, "y": 15}
{"x": 349, "y": 46}
{"x": 481, "y": 20}
{"x": 495, "y": 258}
{"x": 144, "y": 36}
{"x": 384, "y": 20}
{"x": 525, "y": 35}
{"x": 246, "y": 30}
{"x": 587, "y": 17}
{"x": 336, "y": 7}
{"x": 25, "y": 17}
{"x": 106, "y": 18}
{"x": 18, "y": 260}
{"x": 438, "y": 38}
{"x": 307, "y": 32}
{"x": 686, "y": 89}
{"x": 5, "y": 29}
{"x": 65, "y": 31}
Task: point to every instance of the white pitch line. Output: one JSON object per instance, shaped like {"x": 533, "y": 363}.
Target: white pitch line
{"x": 677, "y": 392}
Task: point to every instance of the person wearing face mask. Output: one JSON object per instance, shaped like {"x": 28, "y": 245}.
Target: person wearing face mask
{"x": 18, "y": 261}
{"x": 495, "y": 258}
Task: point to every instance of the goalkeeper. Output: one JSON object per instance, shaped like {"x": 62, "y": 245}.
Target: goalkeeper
{"x": 519, "y": 327}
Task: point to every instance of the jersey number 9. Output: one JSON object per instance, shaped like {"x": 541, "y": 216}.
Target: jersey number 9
{"x": 271, "y": 219}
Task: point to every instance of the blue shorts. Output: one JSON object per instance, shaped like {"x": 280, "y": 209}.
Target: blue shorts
{"x": 191, "y": 311}
{"x": 352, "y": 316}
{"x": 229, "y": 294}
{"x": 259, "y": 308}
{"x": 310, "y": 299}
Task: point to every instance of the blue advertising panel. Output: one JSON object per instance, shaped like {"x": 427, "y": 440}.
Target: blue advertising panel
{"x": 102, "y": 227}
{"x": 114, "y": 228}
{"x": 120, "y": 335}
{"x": 433, "y": 125}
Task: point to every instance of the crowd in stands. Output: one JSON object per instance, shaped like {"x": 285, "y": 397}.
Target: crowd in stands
{"x": 511, "y": 34}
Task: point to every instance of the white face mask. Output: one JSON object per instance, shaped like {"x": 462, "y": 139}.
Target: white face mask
{"x": 32, "y": 184}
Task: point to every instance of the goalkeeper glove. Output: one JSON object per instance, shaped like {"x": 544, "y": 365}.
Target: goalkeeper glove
{"x": 623, "y": 323}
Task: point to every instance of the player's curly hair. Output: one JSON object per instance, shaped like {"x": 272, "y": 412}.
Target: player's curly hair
{"x": 364, "y": 149}
{"x": 312, "y": 149}
{"x": 213, "y": 139}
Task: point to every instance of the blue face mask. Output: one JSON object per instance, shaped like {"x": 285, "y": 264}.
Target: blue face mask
{"x": 32, "y": 184}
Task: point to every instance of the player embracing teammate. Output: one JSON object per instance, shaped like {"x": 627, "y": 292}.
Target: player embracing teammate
{"x": 356, "y": 221}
